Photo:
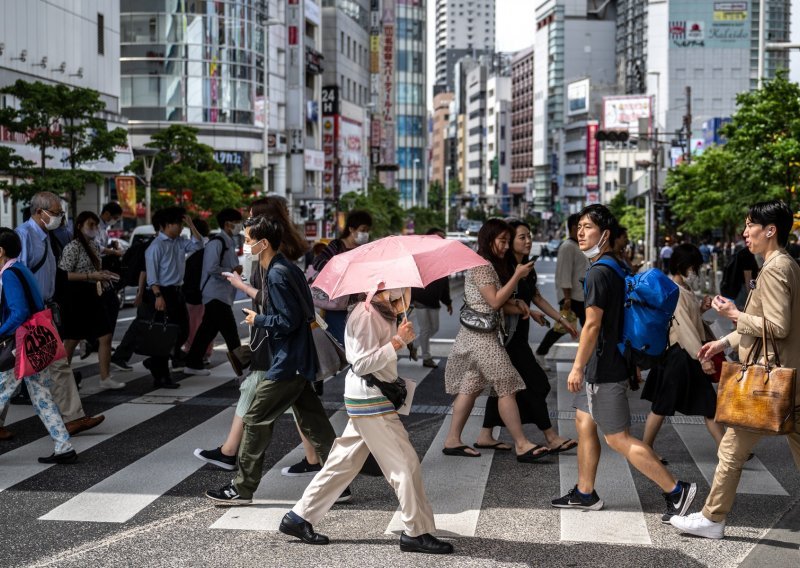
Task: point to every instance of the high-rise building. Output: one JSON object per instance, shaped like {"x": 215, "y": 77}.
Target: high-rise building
{"x": 201, "y": 63}
{"x": 631, "y": 46}
{"x": 61, "y": 42}
{"x": 441, "y": 118}
{"x": 522, "y": 124}
{"x": 463, "y": 27}
{"x": 498, "y": 141}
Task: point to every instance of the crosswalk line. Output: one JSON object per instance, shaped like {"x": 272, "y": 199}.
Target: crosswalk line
{"x": 755, "y": 480}
{"x": 121, "y": 496}
{"x": 622, "y": 520}
{"x": 20, "y": 464}
{"x": 19, "y": 412}
{"x": 276, "y": 493}
{"x": 191, "y": 386}
{"x": 454, "y": 485}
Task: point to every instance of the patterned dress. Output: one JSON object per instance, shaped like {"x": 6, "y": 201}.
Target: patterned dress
{"x": 478, "y": 359}
{"x": 84, "y": 315}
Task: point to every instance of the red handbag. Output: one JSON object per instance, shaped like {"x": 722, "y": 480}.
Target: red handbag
{"x": 718, "y": 360}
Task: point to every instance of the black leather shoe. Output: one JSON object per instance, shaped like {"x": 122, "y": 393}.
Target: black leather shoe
{"x": 304, "y": 531}
{"x": 66, "y": 457}
{"x": 426, "y": 543}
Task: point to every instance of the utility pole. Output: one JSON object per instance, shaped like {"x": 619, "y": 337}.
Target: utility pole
{"x": 687, "y": 124}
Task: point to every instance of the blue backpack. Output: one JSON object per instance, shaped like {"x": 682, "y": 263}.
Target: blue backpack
{"x": 650, "y": 301}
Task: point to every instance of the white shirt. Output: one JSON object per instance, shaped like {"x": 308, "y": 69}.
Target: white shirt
{"x": 369, "y": 349}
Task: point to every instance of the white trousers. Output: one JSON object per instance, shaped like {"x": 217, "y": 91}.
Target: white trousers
{"x": 427, "y": 326}
{"x": 388, "y": 441}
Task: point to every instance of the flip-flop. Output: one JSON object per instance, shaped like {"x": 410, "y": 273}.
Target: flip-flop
{"x": 495, "y": 446}
{"x": 565, "y": 446}
{"x": 460, "y": 451}
{"x": 531, "y": 456}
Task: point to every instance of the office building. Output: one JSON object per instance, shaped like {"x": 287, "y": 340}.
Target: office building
{"x": 463, "y": 27}
{"x": 442, "y": 106}
{"x": 497, "y": 169}
{"x": 521, "y": 177}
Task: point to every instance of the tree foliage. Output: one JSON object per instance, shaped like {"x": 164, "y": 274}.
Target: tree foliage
{"x": 761, "y": 160}
{"x": 382, "y": 203}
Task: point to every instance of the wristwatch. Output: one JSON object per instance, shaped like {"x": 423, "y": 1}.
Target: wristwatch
{"x": 157, "y": 294}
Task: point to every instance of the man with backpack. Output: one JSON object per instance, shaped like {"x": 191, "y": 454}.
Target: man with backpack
{"x": 219, "y": 257}
{"x": 600, "y": 363}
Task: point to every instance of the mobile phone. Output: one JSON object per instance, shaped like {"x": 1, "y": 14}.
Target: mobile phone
{"x": 534, "y": 258}
{"x": 244, "y": 311}
{"x": 409, "y": 310}
{"x": 546, "y": 323}
{"x": 228, "y": 274}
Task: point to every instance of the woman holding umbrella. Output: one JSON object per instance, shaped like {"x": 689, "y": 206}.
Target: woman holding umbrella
{"x": 372, "y": 340}
{"x": 478, "y": 359}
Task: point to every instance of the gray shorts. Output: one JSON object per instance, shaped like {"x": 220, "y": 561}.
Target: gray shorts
{"x": 581, "y": 401}
{"x": 608, "y": 405}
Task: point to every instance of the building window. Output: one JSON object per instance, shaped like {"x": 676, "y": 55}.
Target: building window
{"x": 101, "y": 38}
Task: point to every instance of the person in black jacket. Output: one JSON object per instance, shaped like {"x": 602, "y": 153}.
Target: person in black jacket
{"x": 427, "y": 303}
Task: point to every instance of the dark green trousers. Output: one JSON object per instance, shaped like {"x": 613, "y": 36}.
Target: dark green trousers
{"x": 271, "y": 401}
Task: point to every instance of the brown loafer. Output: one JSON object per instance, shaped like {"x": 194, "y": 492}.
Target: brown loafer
{"x": 83, "y": 424}
{"x": 5, "y": 434}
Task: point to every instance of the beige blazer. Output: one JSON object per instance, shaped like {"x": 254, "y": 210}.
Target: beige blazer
{"x": 777, "y": 297}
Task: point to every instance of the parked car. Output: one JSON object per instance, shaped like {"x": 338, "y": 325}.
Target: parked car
{"x": 550, "y": 248}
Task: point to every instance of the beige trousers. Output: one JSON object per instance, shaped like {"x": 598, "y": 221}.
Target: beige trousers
{"x": 65, "y": 391}
{"x": 388, "y": 441}
{"x": 736, "y": 446}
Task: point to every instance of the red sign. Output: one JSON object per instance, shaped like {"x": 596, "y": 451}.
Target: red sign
{"x": 592, "y": 178}
{"x": 126, "y": 194}
{"x": 311, "y": 230}
{"x": 292, "y": 35}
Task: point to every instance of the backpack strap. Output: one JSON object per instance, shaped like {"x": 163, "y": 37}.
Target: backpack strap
{"x": 32, "y": 307}
{"x": 613, "y": 264}
{"x": 35, "y": 268}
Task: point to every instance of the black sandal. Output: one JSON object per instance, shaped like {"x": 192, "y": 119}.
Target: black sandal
{"x": 532, "y": 456}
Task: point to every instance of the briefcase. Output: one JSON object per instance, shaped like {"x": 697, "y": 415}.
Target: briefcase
{"x": 758, "y": 397}
{"x": 155, "y": 337}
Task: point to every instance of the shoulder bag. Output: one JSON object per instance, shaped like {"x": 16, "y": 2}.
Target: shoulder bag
{"x": 758, "y": 397}
{"x": 478, "y": 321}
{"x": 155, "y": 338}
{"x": 395, "y": 390}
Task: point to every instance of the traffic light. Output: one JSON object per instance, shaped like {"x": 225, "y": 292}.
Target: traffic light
{"x": 303, "y": 210}
{"x": 612, "y": 135}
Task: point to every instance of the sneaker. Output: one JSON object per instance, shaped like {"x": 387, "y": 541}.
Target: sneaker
{"x": 216, "y": 457}
{"x": 678, "y": 504}
{"x": 430, "y": 363}
{"x": 194, "y": 371}
{"x": 301, "y": 469}
{"x": 121, "y": 366}
{"x": 575, "y": 500}
{"x": 540, "y": 359}
{"x": 345, "y": 497}
{"x": 110, "y": 384}
{"x": 698, "y": 525}
{"x": 227, "y": 497}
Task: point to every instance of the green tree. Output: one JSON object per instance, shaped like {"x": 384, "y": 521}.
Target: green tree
{"x": 629, "y": 216}
{"x": 425, "y": 219}
{"x": 382, "y": 203}
{"x": 435, "y": 196}
{"x": 57, "y": 117}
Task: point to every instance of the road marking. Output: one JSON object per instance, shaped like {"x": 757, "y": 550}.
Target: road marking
{"x": 19, "y": 412}
{"x": 276, "y": 494}
{"x": 622, "y": 521}
{"x": 454, "y": 485}
{"x": 755, "y": 480}
{"x": 123, "y": 320}
{"x": 191, "y": 386}
{"x": 20, "y": 464}
{"x": 121, "y": 496}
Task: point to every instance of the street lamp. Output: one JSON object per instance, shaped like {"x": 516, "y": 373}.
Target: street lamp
{"x": 148, "y": 156}
{"x": 266, "y": 22}
{"x": 414, "y": 183}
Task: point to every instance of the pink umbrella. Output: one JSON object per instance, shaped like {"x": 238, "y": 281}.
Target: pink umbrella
{"x": 411, "y": 261}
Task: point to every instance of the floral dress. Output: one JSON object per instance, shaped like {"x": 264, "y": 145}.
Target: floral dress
{"x": 478, "y": 359}
{"x": 84, "y": 315}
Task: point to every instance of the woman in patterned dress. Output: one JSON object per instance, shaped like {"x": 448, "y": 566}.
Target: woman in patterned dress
{"x": 478, "y": 359}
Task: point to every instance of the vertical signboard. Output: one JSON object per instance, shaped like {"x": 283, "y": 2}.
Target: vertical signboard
{"x": 349, "y": 152}
{"x": 330, "y": 120}
{"x": 592, "y": 157}
{"x": 387, "y": 106}
{"x": 126, "y": 194}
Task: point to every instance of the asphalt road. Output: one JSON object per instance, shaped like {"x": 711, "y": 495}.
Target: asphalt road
{"x": 135, "y": 496}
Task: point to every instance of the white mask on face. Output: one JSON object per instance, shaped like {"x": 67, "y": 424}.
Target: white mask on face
{"x": 237, "y": 228}
{"x": 691, "y": 279}
{"x": 396, "y": 294}
{"x": 54, "y": 221}
{"x": 595, "y": 250}
{"x": 361, "y": 238}
{"x": 90, "y": 234}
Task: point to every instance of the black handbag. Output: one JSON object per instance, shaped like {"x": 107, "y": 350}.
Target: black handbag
{"x": 8, "y": 345}
{"x": 478, "y": 321}
{"x": 155, "y": 338}
{"x": 395, "y": 391}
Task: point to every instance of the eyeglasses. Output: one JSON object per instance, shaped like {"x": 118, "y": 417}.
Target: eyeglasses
{"x": 54, "y": 213}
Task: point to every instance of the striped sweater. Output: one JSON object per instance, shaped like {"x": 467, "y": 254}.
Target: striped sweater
{"x": 377, "y": 406}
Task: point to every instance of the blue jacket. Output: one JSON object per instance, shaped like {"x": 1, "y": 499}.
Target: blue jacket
{"x": 287, "y": 321}
{"x": 15, "y": 310}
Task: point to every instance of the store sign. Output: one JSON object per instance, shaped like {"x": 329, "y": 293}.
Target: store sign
{"x": 695, "y": 24}
{"x": 314, "y": 160}
{"x": 350, "y": 154}
{"x": 311, "y": 229}
{"x": 592, "y": 197}
{"x": 592, "y": 179}
{"x": 229, "y": 158}
{"x": 329, "y": 152}
{"x": 314, "y": 61}
{"x": 578, "y": 97}
{"x": 623, "y": 113}
{"x": 330, "y": 100}
{"x": 126, "y": 194}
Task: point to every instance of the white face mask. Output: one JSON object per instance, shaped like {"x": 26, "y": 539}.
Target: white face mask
{"x": 692, "y": 279}
{"x": 595, "y": 250}
{"x": 361, "y": 238}
{"x": 54, "y": 221}
{"x": 237, "y": 228}
{"x": 90, "y": 234}
{"x": 396, "y": 294}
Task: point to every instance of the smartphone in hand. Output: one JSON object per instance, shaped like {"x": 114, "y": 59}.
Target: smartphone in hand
{"x": 534, "y": 258}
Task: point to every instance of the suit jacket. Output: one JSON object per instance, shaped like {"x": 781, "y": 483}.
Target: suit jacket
{"x": 776, "y": 297}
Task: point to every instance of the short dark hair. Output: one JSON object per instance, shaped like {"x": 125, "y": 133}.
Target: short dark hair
{"x": 112, "y": 207}
{"x": 573, "y": 220}
{"x": 262, "y": 227}
{"x": 774, "y": 212}
{"x": 158, "y": 220}
{"x": 202, "y": 226}
{"x": 356, "y": 218}
{"x": 601, "y": 216}
{"x": 10, "y": 242}
{"x": 684, "y": 257}
{"x": 228, "y": 215}
{"x": 434, "y": 231}
{"x": 172, "y": 215}
{"x": 487, "y": 234}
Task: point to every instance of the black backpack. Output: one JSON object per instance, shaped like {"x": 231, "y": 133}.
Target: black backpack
{"x": 730, "y": 284}
{"x": 133, "y": 262}
{"x": 192, "y": 286}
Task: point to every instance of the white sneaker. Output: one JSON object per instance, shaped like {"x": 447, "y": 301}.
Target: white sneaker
{"x": 192, "y": 371}
{"x": 541, "y": 361}
{"x": 698, "y": 525}
{"x": 110, "y": 384}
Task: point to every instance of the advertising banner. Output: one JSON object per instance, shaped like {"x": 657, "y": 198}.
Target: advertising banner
{"x": 695, "y": 24}
{"x": 592, "y": 178}
{"x": 578, "y": 97}
{"x": 329, "y": 150}
{"x": 350, "y": 155}
{"x": 623, "y": 113}
{"x": 126, "y": 194}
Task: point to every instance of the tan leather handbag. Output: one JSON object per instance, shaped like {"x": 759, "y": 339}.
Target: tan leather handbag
{"x": 758, "y": 397}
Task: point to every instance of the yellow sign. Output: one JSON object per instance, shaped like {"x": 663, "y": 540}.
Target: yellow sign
{"x": 126, "y": 194}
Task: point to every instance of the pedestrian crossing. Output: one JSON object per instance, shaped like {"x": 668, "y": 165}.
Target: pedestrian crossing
{"x": 458, "y": 488}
